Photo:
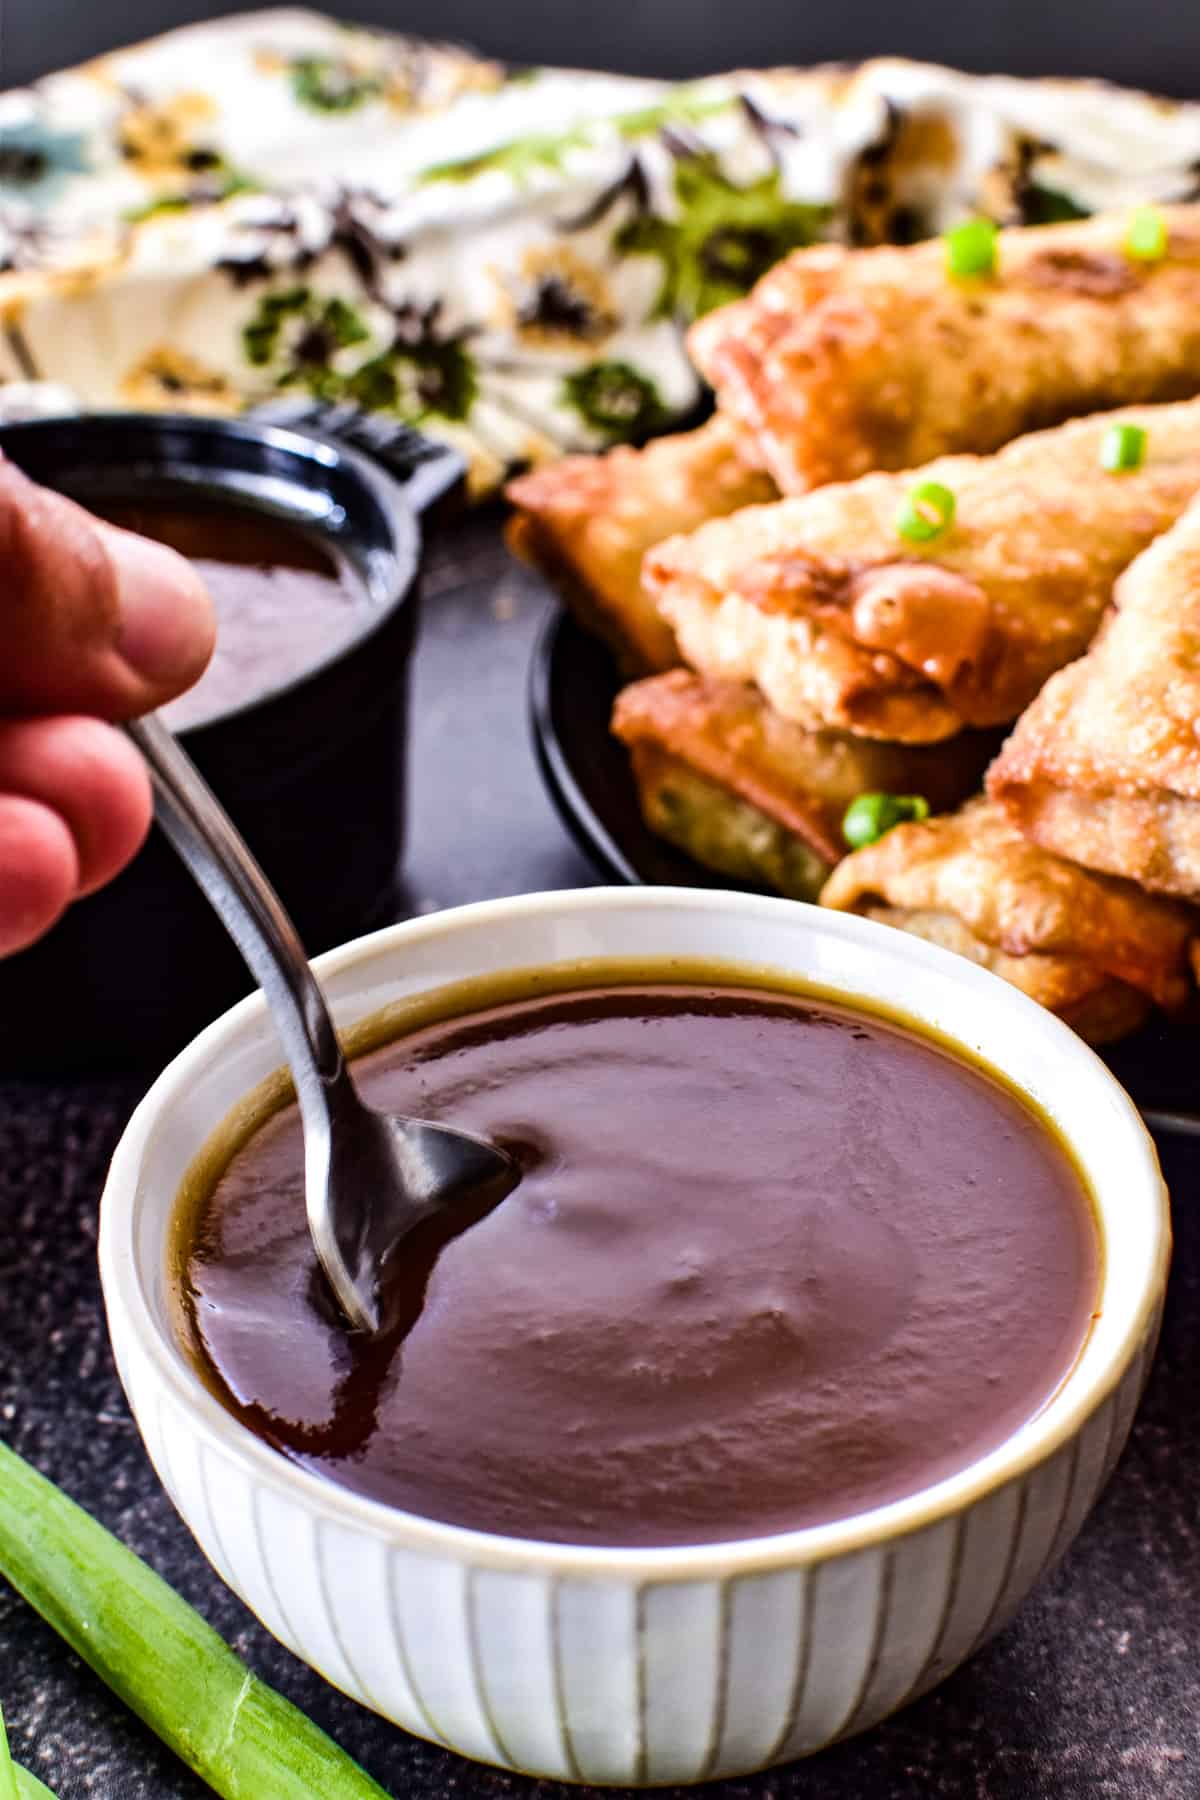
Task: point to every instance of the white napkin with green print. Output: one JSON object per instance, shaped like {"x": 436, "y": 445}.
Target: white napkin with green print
{"x": 278, "y": 204}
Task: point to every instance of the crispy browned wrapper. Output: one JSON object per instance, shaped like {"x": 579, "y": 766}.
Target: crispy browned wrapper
{"x": 803, "y": 780}
{"x": 721, "y": 831}
{"x": 844, "y": 624}
{"x": 841, "y": 361}
{"x": 1104, "y": 766}
{"x": 1095, "y": 950}
{"x": 587, "y": 521}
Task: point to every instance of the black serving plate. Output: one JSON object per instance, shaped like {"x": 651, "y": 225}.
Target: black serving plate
{"x": 573, "y": 683}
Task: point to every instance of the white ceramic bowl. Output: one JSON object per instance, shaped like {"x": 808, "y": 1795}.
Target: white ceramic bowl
{"x": 659, "y": 1665}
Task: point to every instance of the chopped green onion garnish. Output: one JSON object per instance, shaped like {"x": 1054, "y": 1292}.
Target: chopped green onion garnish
{"x": 1146, "y": 238}
{"x": 159, "y": 1656}
{"x": 971, "y": 248}
{"x": 1123, "y": 447}
{"x": 870, "y": 815}
{"x": 925, "y": 512}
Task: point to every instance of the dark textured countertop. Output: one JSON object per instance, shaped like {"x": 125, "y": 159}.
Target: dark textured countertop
{"x": 1092, "y": 1694}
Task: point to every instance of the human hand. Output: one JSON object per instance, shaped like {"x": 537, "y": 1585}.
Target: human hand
{"x": 96, "y": 624}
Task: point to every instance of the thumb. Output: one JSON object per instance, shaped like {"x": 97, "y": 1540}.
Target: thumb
{"x": 92, "y": 619}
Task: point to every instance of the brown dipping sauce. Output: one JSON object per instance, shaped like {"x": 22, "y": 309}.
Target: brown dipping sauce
{"x": 772, "y": 1262}
{"x": 283, "y": 600}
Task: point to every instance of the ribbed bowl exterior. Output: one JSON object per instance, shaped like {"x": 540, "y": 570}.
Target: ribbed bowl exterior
{"x": 638, "y": 1667}
{"x": 619, "y": 1681}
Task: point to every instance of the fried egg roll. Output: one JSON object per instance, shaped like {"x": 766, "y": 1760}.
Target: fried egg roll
{"x": 586, "y": 522}
{"x": 841, "y": 361}
{"x": 754, "y": 796}
{"x": 1097, "y": 951}
{"x": 1104, "y": 766}
{"x": 845, "y": 623}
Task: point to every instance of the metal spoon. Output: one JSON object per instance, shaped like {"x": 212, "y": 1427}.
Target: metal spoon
{"x": 369, "y": 1176}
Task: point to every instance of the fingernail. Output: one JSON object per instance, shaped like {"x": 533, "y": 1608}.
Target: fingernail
{"x": 166, "y": 633}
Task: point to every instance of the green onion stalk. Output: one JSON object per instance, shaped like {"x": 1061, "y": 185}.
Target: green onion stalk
{"x": 17, "y": 1783}
{"x": 159, "y": 1656}
{"x": 8, "y": 1775}
{"x": 29, "y": 1787}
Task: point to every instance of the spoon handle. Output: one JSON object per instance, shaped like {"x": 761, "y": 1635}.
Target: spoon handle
{"x": 205, "y": 837}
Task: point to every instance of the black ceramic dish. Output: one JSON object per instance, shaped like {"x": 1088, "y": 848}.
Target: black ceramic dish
{"x": 312, "y": 772}
{"x": 573, "y": 683}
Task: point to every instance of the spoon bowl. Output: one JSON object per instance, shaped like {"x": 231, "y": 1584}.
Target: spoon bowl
{"x": 369, "y": 1177}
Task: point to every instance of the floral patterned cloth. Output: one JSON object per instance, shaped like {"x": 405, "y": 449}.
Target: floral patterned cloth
{"x": 277, "y": 204}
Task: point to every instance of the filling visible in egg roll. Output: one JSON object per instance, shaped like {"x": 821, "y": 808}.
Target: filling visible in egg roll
{"x": 1095, "y": 950}
{"x": 908, "y": 606}
{"x": 587, "y": 521}
{"x": 1104, "y": 766}
{"x": 841, "y": 361}
{"x": 757, "y": 797}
